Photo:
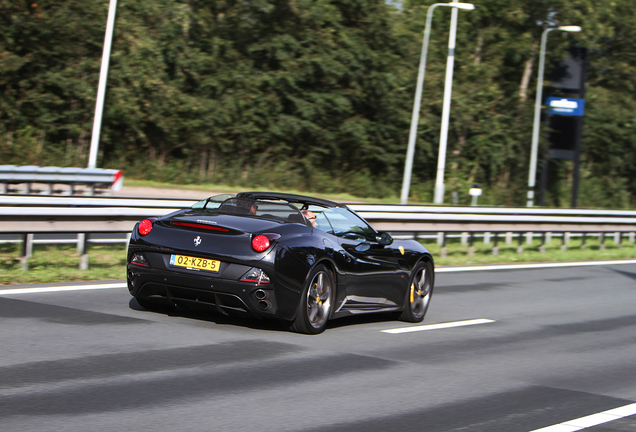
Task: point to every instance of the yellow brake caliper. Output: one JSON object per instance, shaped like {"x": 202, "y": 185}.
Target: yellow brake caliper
{"x": 317, "y": 295}
{"x": 412, "y": 292}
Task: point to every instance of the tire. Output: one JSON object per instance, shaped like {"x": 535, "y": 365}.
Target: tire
{"x": 418, "y": 295}
{"x": 316, "y": 302}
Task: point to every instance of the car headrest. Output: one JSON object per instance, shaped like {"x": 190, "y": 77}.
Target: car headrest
{"x": 297, "y": 218}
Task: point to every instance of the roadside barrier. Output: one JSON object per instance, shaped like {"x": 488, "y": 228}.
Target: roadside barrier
{"x": 90, "y": 216}
{"x": 47, "y": 180}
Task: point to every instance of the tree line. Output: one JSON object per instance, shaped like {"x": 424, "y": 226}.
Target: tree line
{"x": 314, "y": 95}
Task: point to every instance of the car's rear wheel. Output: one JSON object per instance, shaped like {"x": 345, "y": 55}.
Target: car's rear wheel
{"x": 418, "y": 295}
{"x": 316, "y": 302}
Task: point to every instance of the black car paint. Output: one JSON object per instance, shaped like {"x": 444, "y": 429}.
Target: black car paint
{"x": 372, "y": 274}
{"x": 369, "y": 276}
{"x": 285, "y": 269}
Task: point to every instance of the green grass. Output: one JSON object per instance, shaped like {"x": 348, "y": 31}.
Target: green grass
{"x": 483, "y": 254}
{"x": 60, "y": 263}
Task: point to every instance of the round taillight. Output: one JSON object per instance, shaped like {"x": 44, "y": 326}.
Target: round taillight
{"x": 260, "y": 243}
{"x": 145, "y": 226}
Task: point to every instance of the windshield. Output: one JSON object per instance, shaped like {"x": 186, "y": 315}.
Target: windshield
{"x": 343, "y": 223}
{"x": 213, "y": 202}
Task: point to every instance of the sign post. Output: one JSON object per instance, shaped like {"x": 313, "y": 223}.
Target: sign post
{"x": 566, "y": 113}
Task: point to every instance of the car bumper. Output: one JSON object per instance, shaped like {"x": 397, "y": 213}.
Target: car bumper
{"x": 226, "y": 296}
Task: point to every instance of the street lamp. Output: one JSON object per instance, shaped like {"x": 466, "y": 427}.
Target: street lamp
{"x": 537, "y": 110}
{"x": 101, "y": 86}
{"x": 443, "y": 137}
{"x": 408, "y": 165}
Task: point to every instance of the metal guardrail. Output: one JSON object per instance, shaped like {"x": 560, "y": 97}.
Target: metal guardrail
{"x": 27, "y": 215}
{"x": 175, "y": 203}
{"x": 35, "y": 214}
{"x": 93, "y": 201}
{"x": 48, "y": 177}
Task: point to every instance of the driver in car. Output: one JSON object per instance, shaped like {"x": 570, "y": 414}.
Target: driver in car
{"x": 310, "y": 216}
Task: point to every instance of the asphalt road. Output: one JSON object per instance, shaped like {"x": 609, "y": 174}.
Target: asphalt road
{"x": 559, "y": 344}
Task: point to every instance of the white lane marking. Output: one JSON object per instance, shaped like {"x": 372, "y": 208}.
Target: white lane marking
{"x": 438, "y": 326}
{"x": 530, "y": 266}
{"x": 4, "y": 292}
{"x": 591, "y": 420}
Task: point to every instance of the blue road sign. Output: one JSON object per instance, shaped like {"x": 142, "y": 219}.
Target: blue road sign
{"x": 566, "y": 106}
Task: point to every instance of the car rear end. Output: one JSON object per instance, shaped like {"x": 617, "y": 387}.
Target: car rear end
{"x": 202, "y": 258}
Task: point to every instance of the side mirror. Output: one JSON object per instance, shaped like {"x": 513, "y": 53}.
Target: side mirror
{"x": 362, "y": 247}
{"x": 384, "y": 239}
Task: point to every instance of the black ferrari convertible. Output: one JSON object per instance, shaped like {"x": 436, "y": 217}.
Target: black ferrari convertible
{"x": 298, "y": 259}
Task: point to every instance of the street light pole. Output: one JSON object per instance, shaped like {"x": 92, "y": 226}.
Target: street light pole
{"x": 408, "y": 166}
{"x": 443, "y": 137}
{"x": 101, "y": 87}
{"x": 537, "y": 110}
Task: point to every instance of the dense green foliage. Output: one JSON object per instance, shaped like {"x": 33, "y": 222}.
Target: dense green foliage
{"x": 313, "y": 94}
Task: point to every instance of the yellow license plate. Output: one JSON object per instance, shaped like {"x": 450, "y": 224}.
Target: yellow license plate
{"x": 195, "y": 263}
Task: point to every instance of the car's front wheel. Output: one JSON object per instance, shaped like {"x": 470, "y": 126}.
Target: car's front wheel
{"x": 418, "y": 295}
{"x": 316, "y": 302}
